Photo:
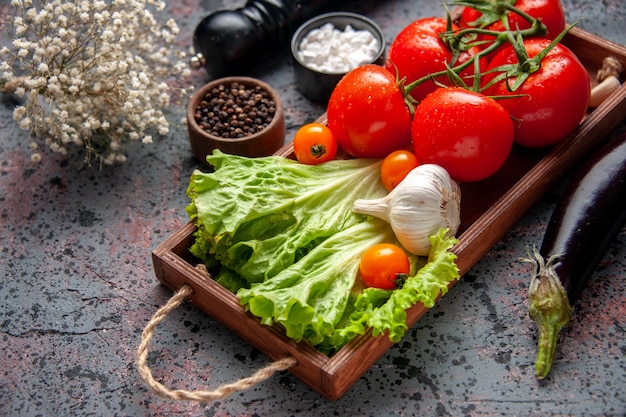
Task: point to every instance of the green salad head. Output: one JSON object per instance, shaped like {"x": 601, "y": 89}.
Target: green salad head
{"x": 283, "y": 237}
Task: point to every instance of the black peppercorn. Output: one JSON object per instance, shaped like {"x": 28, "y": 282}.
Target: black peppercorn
{"x": 235, "y": 110}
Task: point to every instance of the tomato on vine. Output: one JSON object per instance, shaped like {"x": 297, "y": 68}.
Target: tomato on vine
{"x": 489, "y": 15}
{"x": 419, "y": 51}
{"x": 553, "y": 97}
{"x": 314, "y": 143}
{"x": 467, "y": 133}
{"x": 367, "y": 113}
{"x": 384, "y": 266}
{"x": 396, "y": 166}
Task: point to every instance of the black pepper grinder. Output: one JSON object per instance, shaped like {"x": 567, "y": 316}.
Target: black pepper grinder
{"x": 229, "y": 42}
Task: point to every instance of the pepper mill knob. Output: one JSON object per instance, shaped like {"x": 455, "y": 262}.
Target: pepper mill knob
{"x": 197, "y": 61}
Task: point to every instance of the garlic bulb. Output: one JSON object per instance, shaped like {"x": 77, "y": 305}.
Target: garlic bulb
{"x": 426, "y": 200}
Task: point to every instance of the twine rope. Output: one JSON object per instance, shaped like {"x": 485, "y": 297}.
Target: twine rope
{"x": 199, "y": 395}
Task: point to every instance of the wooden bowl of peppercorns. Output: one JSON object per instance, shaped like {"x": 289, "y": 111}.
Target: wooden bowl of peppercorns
{"x": 237, "y": 115}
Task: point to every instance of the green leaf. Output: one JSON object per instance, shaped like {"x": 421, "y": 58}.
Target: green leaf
{"x": 283, "y": 237}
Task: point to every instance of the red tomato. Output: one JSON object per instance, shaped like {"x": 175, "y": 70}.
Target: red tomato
{"x": 396, "y": 166}
{"x": 554, "y": 99}
{"x": 467, "y": 133}
{"x": 314, "y": 143}
{"x": 367, "y": 113}
{"x": 383, "y": 265}
{"x": 418, "y": 51}
{"x": 550, "y": 12}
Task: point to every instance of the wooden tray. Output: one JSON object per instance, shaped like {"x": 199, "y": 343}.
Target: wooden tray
{"x": 489, "y": 210}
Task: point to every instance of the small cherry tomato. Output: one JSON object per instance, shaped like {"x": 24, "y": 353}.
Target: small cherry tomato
{"x": 396, "y": 166}
{"x": 384, "y": 266}
{"x": 467, "y": 133}
{"x": 314, "y": 143}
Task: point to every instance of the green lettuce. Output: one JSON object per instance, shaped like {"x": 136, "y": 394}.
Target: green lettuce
{"x": 257, "y": 216}
{"x": 283, "y": 237}
{"x": 425, "y": 286}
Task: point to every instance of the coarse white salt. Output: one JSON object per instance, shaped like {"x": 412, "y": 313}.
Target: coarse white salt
{"x": 331, "y": 50}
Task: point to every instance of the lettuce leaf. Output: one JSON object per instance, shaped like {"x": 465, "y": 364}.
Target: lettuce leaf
{"x": 283, "y": 237}
{"x": 430, "y": 281}
{"x": 257, "y": 216}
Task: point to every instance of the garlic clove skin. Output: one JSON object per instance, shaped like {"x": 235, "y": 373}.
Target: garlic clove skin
{"x": 427, "y": 200}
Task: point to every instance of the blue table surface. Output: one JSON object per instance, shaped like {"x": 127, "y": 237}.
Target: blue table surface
{"x": 77, "y": 288}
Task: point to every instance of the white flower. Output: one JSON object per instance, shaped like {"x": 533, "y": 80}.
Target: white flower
{"x": 42, "y": 17}
{"x": 19, "y": 112}
{"x": 92, "y": 68}
{"x": 25, "y": 123}
{"x": 99, "y": 5}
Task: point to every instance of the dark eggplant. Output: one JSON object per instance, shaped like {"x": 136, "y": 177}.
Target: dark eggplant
{"x": 587, "y": 218}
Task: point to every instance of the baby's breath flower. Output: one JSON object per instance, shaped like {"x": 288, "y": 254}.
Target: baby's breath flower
{"x": 25, "y": 123}
{"x": 93, "y": 74}
{"x": 19, "y": 112}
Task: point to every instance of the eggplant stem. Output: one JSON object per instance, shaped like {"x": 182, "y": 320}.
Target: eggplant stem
{"x": 546, "y": 349}
{"x": 549, "y": 308}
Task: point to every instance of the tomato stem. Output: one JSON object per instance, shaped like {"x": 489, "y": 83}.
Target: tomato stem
{"x": 318, "y": 150}
{"x": 526, "y": 66}
{"x": 464, "y": 39}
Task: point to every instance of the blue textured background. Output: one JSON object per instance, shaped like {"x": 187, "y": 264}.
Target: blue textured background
{"x": 77, "y": 288}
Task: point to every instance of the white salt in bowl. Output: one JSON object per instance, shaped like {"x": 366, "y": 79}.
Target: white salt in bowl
{"x": 328, "y": 46}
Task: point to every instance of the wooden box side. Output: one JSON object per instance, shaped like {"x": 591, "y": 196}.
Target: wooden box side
{"x": 527, "y": 176}
{"x": 174, "y": 267}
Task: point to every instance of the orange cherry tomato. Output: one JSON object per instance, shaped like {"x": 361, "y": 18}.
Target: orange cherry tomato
{"x": 396, "y": 166}
{"x": 384, "y": 266}
{"x": 314, "y": 143}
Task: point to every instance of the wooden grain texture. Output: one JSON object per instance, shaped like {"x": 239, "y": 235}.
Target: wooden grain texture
{"x": 489, "y": 210}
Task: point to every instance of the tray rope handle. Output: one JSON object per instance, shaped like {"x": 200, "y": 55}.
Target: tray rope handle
{"x": 200, "y": 396}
